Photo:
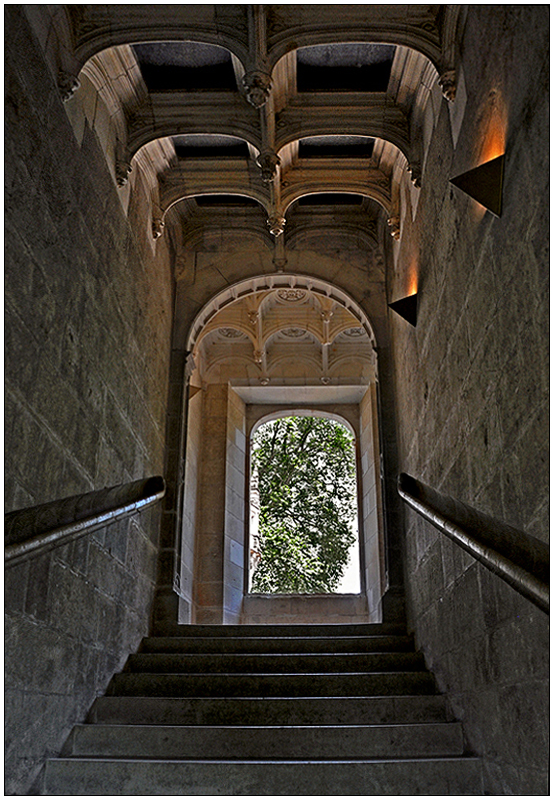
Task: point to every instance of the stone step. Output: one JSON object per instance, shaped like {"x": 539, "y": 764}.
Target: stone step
{"x": 276, "y": 644}
{"x": 306, "y": 631}
{"x": 251, "y": 742}
{"x": 423, "y": 776}
{"x": 272, "y": 685}
{"x": 238, "y": 663}
{"x": 275, "y": 711}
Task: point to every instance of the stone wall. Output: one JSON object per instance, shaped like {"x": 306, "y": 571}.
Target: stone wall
{"x": 471, "y": 383}
{"x": 88, "y": 313}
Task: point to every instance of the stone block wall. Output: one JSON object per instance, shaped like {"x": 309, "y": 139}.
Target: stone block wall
{"x": 471, "y": 383}
{"x": 88, "y": 317}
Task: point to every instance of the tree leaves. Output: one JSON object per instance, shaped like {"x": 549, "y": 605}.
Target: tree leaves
{"x": 304, "y": 468}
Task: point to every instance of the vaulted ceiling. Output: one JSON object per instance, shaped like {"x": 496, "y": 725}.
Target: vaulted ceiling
{"x": 276, "y": 117}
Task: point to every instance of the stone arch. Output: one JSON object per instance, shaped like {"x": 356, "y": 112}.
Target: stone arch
{"x": 228, "y": 397}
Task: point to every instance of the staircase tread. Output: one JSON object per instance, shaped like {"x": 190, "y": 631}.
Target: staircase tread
{"x": 346, "y": 760}
{"x": 319, "y": 726}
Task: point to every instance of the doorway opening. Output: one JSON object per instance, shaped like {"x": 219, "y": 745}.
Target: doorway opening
{"x": 303, "y": 508}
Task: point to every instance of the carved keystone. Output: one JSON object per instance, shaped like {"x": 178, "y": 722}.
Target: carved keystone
{"x": 258, "y": 86}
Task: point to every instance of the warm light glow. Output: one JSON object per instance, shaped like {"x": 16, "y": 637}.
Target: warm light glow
{"x": 412, "y": 286}
{"x": 495, "y": 123}
{"x": 495, "y": 143}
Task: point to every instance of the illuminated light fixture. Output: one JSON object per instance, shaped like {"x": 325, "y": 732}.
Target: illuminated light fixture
{"x": 406, "y": 308}
{"x": 484, "y": 184}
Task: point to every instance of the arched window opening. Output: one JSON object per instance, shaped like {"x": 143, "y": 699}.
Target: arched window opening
{"x": 303, "y": 508}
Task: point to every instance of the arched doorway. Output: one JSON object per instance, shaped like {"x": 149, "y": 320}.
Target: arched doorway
{"x": 269, "y": 345}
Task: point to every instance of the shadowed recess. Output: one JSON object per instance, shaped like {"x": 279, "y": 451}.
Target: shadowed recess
{"x": 199, "y": 145}
{"x": 331, "y": 199}
{"x": 185, "y": 67}
{"x": 344, "y": 68}
{"x": 226, "y": 201}
{"x": 336, "y": 147}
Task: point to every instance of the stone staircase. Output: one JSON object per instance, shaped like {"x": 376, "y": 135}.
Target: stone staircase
{"x": 269, "y": 710}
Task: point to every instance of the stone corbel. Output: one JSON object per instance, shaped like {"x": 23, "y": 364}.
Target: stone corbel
{"x": 394, "y": 225}
{"x": 268, "y": 163}
{"x": 258, "y": 86}
{"x": 122, "y": 166}
{"x": 276, "y": 224}
{"x": 158, "y": 226}
{"x": 67, "y": 84}
{"x": 415, "y": 175}
{"x": 447, "y": 82}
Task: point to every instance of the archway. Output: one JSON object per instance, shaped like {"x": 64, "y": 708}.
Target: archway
{"x": 273, "y": 345}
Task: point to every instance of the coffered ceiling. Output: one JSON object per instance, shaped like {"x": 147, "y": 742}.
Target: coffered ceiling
{"x": 274, "y": 111}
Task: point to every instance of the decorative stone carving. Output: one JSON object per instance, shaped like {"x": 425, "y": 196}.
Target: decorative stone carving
{"x": 276, "y": 225}
{"x": 67, "y": 84}
{"x": 231, "y": 333}
{"x": 258, "y": 86}
{"x": 326, "y": 315}
{"x": 190, "y": 366}
{"x": 354, "y": 333}
{"x": 253, "y": 317}
{"x": 158, "y": 226}
{"x": 293, "y": 333}
{"x": 415, "y": 175}
{"x": 122, "y": 170}
{"x": 447, "y": 82}
{"x": 394, "y": 225}
{"x": 292, "y": 295}
{"x": 325, "y": 380}
{"x": 264, "y": 381}
{"x": 258, "y": 356}
{"x": 268, "y": 163}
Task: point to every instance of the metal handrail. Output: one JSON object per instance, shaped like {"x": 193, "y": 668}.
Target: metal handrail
{"x": 518, "y": 558}
{"x": 36, "y": 530}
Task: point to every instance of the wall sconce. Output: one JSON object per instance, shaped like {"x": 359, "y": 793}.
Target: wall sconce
{"x": 484, "y": 184}
{"x": 406, "y": 307}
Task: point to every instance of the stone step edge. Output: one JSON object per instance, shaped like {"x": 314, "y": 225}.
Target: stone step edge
{"x": 242, "y": 726}
{"x": 464, "y": 757}
{"x": 353, "y": 674}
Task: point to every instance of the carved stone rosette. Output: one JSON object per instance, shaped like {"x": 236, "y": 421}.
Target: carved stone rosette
{"x": 447, "y": 82}
{"x": 258, "y": 86}
{"x": 268, "y": 163}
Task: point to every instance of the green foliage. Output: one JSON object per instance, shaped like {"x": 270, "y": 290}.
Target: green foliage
{"x": 306, "y": 475}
